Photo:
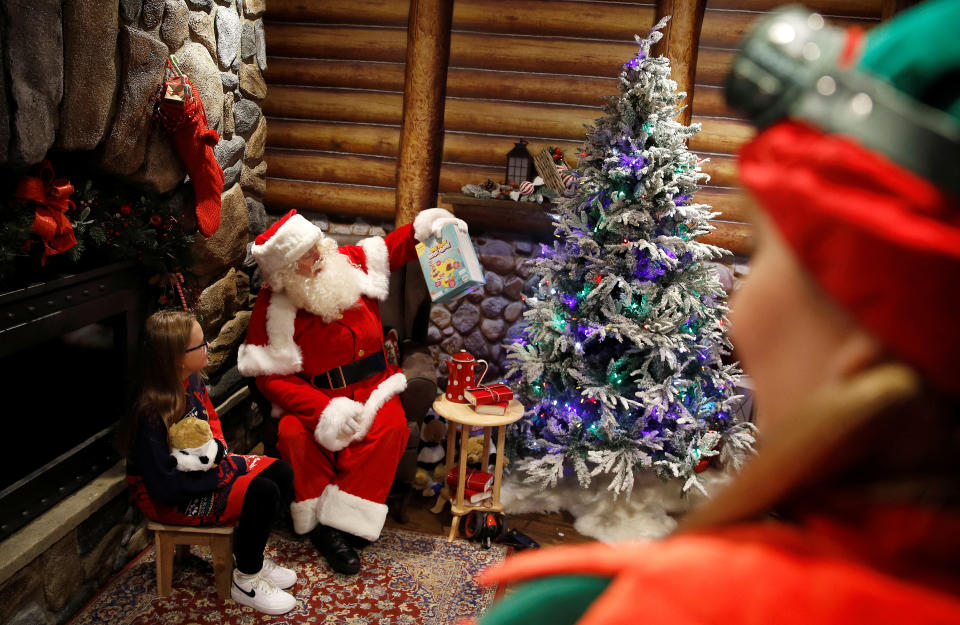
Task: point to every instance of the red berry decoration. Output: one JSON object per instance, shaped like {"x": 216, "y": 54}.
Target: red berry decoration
{"x": 155, "y": 220}
{"x": 125, "y": 210}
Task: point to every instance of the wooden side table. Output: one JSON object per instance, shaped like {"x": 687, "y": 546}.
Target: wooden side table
{"x": 464, "y": 415}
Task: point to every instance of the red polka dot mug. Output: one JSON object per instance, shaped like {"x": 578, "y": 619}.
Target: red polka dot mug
{"x": 461, "y": 375}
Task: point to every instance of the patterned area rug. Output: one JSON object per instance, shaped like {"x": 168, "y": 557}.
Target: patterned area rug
{"x": 407, "y": 578}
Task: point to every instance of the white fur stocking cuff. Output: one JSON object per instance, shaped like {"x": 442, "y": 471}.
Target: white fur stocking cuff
{"x": 352, "y": 514}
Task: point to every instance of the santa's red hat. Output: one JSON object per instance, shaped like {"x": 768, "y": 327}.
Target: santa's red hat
{"x": 283, "y": 243}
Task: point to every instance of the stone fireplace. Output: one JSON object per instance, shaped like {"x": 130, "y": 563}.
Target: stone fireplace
{"x": 79, "y": 89}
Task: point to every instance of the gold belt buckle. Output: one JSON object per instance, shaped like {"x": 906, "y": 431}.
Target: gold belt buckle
{"x": 343, "y": 380}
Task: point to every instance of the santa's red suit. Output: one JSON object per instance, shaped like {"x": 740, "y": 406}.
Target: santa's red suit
{"x": 342, "y": 474}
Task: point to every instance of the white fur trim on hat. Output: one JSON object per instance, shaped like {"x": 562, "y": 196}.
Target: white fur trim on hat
{"x": 281, "y": 355}
{"x": 304, "y": 514}
{"x": 351, "y": 514}
{"x": 328, "y": 432}
{"x": 377, "y": 285}
{"x": 291, "y": 241}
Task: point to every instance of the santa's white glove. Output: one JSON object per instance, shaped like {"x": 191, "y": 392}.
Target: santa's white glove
{"x": 339, "y": 423}
{"x": 432, "y": 220}
{"x": 351, "y": 425}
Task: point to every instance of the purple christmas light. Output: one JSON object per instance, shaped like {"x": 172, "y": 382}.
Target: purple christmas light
{"x": 635, "y": 62}
{"x": 636, "y": 163}
{"x": 668, "y": 252}
{"x": 648, "y": 269}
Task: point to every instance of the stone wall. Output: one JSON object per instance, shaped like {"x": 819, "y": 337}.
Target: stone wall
{"x": 52, "y": 587}
{"x": 82, "y": 77}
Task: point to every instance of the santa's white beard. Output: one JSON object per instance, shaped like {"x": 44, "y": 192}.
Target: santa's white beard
{"x": 335, "y": 288}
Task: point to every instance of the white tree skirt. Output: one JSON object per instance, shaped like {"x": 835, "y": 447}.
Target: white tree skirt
{"x": 650, "y": 512}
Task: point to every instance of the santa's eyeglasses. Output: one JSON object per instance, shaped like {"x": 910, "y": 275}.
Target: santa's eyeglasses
{"x": 195, "y": 348}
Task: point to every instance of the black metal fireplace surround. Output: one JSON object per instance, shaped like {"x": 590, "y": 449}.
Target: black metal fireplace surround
{"x": 67, "y": 357}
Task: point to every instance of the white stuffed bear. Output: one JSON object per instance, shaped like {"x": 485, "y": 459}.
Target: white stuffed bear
{"x": 192, "y": 444}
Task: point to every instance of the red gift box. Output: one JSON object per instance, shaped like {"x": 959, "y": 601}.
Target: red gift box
{"x": 475, "y": 480}
{"x": 488, "y": 394}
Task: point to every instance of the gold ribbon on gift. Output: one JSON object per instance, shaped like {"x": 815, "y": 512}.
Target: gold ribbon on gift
{"x": 51, "y": 197}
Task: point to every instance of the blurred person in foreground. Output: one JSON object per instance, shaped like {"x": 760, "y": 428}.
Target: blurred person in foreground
{"x": 848, "y": 324}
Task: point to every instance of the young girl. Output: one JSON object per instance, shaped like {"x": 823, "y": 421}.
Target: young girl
{"x": 248, "y": 490}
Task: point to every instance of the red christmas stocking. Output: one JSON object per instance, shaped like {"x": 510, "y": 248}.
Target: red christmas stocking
{"x": 187, "y": 123}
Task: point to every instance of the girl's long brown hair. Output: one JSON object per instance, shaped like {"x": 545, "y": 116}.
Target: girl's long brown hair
{"x": 167, "y": 337}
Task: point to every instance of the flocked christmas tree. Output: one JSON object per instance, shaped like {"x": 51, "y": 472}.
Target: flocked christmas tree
{"x": 620, "y": 364}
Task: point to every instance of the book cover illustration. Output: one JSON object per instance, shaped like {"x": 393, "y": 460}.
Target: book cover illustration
{"x": 450, "y": 265}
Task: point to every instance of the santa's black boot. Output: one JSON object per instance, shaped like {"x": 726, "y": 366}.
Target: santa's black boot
{"x": 333, "y": 546}
{"x": 355, "y": 541}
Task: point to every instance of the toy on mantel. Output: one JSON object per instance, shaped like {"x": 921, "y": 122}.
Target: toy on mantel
{"x": 526, "y": 191}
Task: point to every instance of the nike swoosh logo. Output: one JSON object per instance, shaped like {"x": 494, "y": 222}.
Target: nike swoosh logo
{"x": 250, "y": 593}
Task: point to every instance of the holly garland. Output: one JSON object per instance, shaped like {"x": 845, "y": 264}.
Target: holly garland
{"x": 150, "y": 229}
{"x": 15, "y": 237}
{"x": 114, "y": 223}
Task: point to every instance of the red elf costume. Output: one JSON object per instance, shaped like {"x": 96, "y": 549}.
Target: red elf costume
{"x": 342, "y": 426}
{"x": 856, "y": 169}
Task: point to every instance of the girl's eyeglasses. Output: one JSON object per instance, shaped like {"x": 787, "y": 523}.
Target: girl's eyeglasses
{"x": 200, "y": 346}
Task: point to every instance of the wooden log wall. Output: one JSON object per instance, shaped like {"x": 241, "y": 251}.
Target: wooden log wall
{"x": 724, "y": 130}
{"x": 336, "y": 72}
{"x": 536, "y": 69}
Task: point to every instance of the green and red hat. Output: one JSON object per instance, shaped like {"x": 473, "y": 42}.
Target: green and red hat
{"x": 873, "y": 214}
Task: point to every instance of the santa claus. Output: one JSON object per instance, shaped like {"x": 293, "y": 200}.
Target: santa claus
{"x": 315, "y": 345}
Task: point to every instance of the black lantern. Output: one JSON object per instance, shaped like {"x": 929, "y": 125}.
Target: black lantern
{"x": 519, "y": 163}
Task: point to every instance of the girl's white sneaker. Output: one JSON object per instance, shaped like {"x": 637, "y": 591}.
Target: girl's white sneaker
{"x": 280, "y": 576}
{"x": 258, "y": 592}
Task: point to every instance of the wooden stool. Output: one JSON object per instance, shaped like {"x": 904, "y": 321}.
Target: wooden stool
{"x": 465, "y": 415}
{"x": 219, "y": 539}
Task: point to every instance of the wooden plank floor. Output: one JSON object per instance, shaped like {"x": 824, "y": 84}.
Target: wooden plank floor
{"x": 547, "y": 529}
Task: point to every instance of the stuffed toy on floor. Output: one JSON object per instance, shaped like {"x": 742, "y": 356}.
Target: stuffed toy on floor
{"x": 192, "y": 445}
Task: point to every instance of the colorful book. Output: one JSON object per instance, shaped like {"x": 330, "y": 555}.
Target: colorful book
{"x": 476, "y": 496}
{"x": 499, "y": 408}
{"x": 488, "y": 394}
{"x": 476, "y": 480}
{"x": 450, "y": 265}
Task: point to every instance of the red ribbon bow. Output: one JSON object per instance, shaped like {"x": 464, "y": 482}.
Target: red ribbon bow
{"x": 52, "y": 199}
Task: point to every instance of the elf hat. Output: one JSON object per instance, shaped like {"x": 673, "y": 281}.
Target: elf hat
{"x": 861, "y": 178}
{"x": 283, "y": 243}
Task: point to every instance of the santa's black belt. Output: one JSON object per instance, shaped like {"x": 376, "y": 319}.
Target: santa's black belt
{"x": 339, "y": 377}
